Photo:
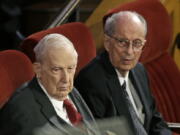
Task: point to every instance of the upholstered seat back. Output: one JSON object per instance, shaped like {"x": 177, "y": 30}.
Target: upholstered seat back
{"x": 165, "y": 84}
{"x": 15, "y": 69}
{"x": 77, "y": 32}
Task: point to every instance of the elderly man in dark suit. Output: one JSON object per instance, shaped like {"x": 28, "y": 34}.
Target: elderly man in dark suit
{"x": 115, "y": 84}
{"x": 41, "y": 105}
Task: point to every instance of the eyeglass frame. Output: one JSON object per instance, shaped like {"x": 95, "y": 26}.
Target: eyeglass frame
{"x": 126, "y": 43}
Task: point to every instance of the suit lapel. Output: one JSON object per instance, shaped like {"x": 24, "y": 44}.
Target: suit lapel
{"x": 50, "y": 114}
{"x": 114, "y": 85}
{"x": 116, "y": 92}
{"x": 88, "y": 120}
{"x": 115, "y": 88}
{"x": 137, "y": 83}
{"x": 46, "y": 106}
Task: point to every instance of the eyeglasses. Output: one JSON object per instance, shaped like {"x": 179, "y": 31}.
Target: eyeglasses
{"x": 137, "y": 44}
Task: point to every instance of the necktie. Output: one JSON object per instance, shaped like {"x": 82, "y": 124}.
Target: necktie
{"x": 139, "y": 129}
{"x": 73, "y": 115}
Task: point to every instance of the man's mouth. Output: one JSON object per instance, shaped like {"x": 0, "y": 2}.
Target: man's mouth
{"x": 127, "y": 61}
{"x": 63, "y": 88}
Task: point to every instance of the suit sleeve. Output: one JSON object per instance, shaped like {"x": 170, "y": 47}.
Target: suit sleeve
{"x": 91, "y": 85}
{"x": 157, "y": 125}
{"x": 13, "y": 121}
{"x": 16, "y": 116}
{"x": 86, "y": 89}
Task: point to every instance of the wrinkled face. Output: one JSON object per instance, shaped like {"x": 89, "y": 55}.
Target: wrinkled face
{"x": 56, "y": 72}
{"x": 124, "y": 58}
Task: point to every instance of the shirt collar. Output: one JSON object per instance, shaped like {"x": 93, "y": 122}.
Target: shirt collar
{"x": 121, "y": 78}
{"x": 52, "y": 99}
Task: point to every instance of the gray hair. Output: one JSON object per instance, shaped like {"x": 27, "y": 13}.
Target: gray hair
{"x": 50, "y": 41}
{"x": 111, "y": 21}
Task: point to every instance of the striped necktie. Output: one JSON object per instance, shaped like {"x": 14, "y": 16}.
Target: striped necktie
{"x": 73, "y": 115}
{"x": 139, "y": 129}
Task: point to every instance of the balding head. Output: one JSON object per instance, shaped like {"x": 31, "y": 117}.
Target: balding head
{"x": 123, "y": 18}
{"x": 124, "y": 39}
{"x": 52, "y": 42}
{"x": 55, "y": 66}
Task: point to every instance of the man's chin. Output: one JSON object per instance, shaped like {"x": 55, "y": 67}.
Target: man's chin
{"x": 62, "y": 95}
{"x": 127, "y": 67}
{"x": 60, "y": 98}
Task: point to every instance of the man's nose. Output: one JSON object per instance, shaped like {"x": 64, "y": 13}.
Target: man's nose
{"x": 65, "y": 76}
{"x": 130, "y": 48}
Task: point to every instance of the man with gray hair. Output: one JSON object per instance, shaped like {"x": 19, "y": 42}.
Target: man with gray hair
{"x": 49, "y": 104}
{"x": 114, "y": 84}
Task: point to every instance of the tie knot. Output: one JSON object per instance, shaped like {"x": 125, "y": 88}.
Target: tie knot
{"x": 67, "y": 102}
{"x": 124, "y": 85}
{"x": 73, "y": 115}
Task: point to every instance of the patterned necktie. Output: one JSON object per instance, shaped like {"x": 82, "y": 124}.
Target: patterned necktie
{"x": 73, "y": 115}
{"x": 139, "y": 129}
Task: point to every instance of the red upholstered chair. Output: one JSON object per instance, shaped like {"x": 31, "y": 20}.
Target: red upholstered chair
{"x": 162, "y": 70}
{"x": 15, "y": 69}
{"x": 77, "y": 32}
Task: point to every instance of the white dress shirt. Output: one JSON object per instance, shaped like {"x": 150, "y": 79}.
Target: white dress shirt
{"x": 58, "y": 105}
{"x": 128, "y": 86}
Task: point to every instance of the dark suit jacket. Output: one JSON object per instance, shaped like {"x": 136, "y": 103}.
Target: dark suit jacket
{"x": 99, "y": 85}
{"x": 29, "y": 111}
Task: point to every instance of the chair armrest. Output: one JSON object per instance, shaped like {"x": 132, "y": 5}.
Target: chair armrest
{"x": 175, "y": 127}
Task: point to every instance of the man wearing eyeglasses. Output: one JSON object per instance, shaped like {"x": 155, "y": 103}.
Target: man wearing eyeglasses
{"x": 115, "y": 84}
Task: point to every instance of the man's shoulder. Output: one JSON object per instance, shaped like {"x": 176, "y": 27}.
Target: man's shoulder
{"x": 92, "y": 73}
{"x": 140, "y": 73}
{"x": 139, "y": 65}
{"x": 22, "y": 97}
{"x": 93, "y": 65}
{"x": 139, "y": 69}
{"x": 95, "y": 68}
{"x": 23, "y": 92}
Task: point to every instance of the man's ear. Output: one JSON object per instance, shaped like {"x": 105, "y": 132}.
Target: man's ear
{"x": 37, "y": 69}
{"x": 106, "y": 43}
